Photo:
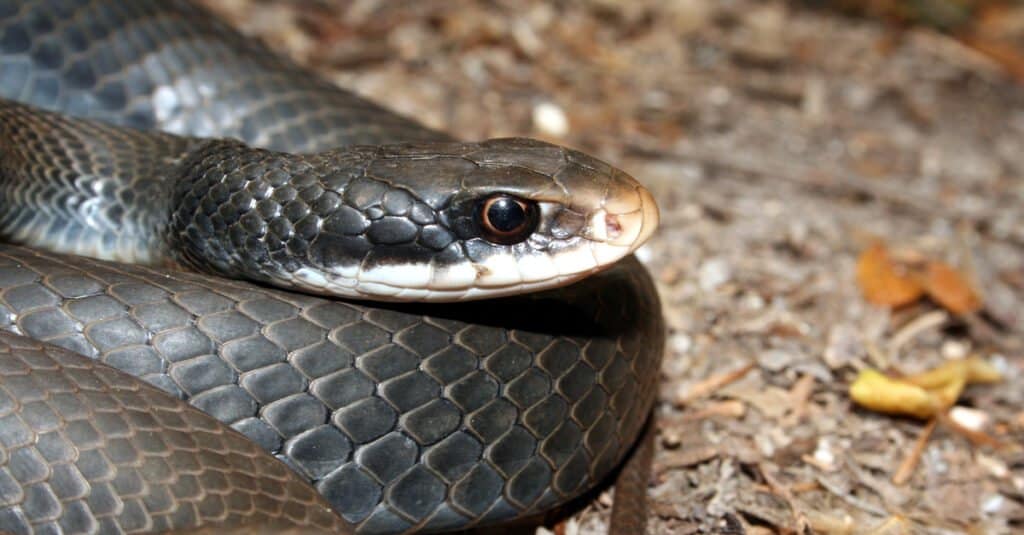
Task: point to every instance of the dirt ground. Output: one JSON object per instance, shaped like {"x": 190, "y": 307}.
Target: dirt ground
{"x": 780, "y": 142}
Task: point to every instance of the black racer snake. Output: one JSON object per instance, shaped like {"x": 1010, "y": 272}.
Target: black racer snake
{"x": 402, "y": 416}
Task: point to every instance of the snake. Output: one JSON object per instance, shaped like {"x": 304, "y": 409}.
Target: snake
{"x": 235, "y": 297}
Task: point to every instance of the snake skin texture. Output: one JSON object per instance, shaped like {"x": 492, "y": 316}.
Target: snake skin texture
{"x": 81, "y": 453}
{"x": 47, "y": 204}
{"x": 399, "y": 419}
{"x": 169, "y": 65}
{"x": 403, "y": 417}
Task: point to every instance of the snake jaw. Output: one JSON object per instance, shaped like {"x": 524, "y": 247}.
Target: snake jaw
{"x": 567, "y": 247}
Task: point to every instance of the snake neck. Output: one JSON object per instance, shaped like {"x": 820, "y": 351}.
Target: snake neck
{"x": 84, "y": 187}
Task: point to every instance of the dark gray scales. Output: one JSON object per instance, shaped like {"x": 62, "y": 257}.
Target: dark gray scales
{"x": 400, "y": 417}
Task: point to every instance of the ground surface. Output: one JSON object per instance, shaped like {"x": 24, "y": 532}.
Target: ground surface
{"x": 779, "y": 142}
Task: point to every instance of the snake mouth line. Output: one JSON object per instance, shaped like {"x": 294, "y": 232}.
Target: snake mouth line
{"x": 610, "y": 237}
{"x": 497, "y": 276}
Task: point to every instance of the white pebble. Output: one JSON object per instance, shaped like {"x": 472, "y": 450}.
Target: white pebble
{"x": 550, "y": 119}
{"x": 644, "y": 254}
{"x": 969, "y": 418}
{"x": 955, "y": 349}
{"x": 994, "y": 466}
{"x": 680, "y": 343}
{"x": 993, "y": 504}
{"x": 713, "y": 273}
{"x": 824, "y": 456}
{"x": 719, "y": 95}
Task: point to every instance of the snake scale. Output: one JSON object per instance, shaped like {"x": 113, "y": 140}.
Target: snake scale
{"x": 314, "y": 414}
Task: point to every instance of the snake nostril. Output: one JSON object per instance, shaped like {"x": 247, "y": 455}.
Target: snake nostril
{"x": 613, "y": 226}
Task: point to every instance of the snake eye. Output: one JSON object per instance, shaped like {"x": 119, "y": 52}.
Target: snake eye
{"x": 506, "y": 219}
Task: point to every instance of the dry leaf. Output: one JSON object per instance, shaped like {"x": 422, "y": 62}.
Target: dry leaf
{"x": 874, "y": 390}
{"x": 974, "y": 369}
{"x": 949, "y": 288}
{"x": 1003, "y": 52}
{"x": 924, "y": 394}
{"x": 882, "y": 281}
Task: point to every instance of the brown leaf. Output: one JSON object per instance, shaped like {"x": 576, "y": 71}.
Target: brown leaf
{"x": 882, "y": 281}
{"x": 949, "y": 288}
{"x": 1003, "y": 52}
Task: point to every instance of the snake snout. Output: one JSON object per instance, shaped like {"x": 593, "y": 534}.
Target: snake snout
{"x": 627, "y": 221}
{"x": 622, "y": 215}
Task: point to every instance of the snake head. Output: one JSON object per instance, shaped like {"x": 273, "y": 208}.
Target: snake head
{"x": 430, "y": 222}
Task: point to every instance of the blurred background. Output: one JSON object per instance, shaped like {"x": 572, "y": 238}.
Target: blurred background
{"x": 804, "y": 154}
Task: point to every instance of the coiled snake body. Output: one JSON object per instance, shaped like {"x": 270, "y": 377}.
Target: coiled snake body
{"x": 401, "y": 416}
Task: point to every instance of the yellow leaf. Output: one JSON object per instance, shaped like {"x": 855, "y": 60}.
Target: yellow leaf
{"x": 873, "y": 390}
{"x": 979, "y": 371}
{"x": 940, "y": 376}
{"x": 973, "y": 370}
{"x": 924, "y": 394}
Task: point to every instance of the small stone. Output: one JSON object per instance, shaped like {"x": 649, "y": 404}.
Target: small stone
{"x": 527, "y": 39}
{"x": 824, "y": 455}
{"x": 752, "y": 301}
{"x": 550, "y": 119}
{"x": 995, "y": 466}
{"x": 992, "y": 504}
{"x": 713, "y": 273}
{"x": 680, "y": 343}
{"x": 719, "y": 95}
{"x": 844, "y": 346}
{"x": 669, "y": 275}
{"x": 776, "y": 360}
{"x": 969, "y": 418}
{"x": 955, "y": 349}
{"x": 644, "y": 254}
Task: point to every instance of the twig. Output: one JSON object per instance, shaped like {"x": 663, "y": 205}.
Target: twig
{"x": 845, "y": 496}
{"x": 906, "y": 468}
{"x": 822, "y": 522}
{"x": 983, "y": 331}
{"x": 911, "y": 330}
{"x": 977, "y": 438}
{"x": 709, "y": 385}
{"x": 732, "y": 408}
{"x": 893, "y": 524}
{"x": 687, "y": 457}
{"x": 798, "y": 396}
{"x": 782, "y": 491}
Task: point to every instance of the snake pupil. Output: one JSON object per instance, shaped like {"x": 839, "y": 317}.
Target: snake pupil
{"x": 506, "y": 215}
{"x": 507, "y": 220}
